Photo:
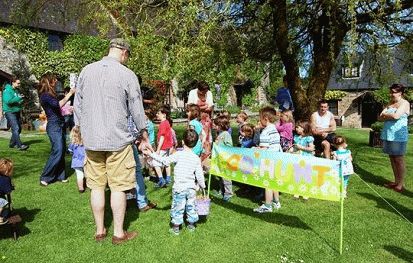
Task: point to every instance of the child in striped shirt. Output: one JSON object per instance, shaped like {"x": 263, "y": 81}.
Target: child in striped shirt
{"x": 269, "y": 139}
{"x": 187, "y": 174}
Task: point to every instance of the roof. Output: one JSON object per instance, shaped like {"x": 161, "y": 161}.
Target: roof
{"x": 373, "y": 67}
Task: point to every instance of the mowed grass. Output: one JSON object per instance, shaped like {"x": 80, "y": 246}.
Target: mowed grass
{"x": 58, "y": 225}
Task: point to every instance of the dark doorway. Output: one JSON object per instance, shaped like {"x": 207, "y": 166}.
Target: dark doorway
{"x": 370, "y": 110}
{"x": 243, "y": 89}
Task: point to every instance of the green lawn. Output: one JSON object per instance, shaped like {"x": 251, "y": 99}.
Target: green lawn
{"x": 58, "y": 226}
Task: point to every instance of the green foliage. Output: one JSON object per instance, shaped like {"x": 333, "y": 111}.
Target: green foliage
{"x": 382, "y": 95}
{"x": 334, "y": 94}
{"x": 78, "y": 51}
{"x": 377, "y": 126}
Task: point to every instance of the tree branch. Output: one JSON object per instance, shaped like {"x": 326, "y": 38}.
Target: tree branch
{"x": 391, "y": 9}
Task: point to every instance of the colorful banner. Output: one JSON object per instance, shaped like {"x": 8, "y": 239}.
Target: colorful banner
{"x": 288, "y": 173}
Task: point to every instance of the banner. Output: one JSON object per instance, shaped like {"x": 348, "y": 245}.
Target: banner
{"x": 288, "y": 173}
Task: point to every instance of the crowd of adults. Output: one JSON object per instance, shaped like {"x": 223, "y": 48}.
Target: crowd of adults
{"x": 107, "y": 92}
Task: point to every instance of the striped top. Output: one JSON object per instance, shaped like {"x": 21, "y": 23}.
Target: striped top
{"x": 107, "y": 93}
{"x": 270, "y": 138}
{"x": 188, "y": 168}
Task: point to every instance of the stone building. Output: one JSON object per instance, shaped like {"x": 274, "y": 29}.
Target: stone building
{"x": 360, "y": 78}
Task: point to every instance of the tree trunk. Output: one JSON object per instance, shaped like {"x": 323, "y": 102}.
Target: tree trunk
{"x": 289, "y": 57}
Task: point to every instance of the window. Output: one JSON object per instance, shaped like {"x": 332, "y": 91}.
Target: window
{"x": 55, "y": 42}
{"x": 333, "y": 107}
{"x": 350, "y": 72}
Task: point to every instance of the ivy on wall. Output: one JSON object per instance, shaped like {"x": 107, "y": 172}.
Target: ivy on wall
{"x": 334, "y": 94}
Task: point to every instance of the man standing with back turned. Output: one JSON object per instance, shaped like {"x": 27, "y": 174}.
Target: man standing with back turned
{"x": 107, "y": 93}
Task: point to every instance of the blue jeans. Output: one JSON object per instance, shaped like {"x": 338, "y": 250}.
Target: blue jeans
{"x": 13, "y": 120}
{"x": 54, "y": 169}
{"x": 141, "y": 200}
{"x": 184, "y": 202}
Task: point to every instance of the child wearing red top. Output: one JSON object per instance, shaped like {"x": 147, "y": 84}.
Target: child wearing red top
{"x": 165, "y": 143}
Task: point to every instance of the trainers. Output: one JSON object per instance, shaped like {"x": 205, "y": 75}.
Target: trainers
{"x": 226, "y": 198}
{"x": 191, "y": 227}
{"x": 174, "y": 230}
{"x": 126, "y": 237}
{"x": 161, "y": 183}
{"x": 263, "y": 209}
{"x": 277, "y": 205}
{"x": 23, "y": 147}
{"x": 148, "y": 207}
{"x": 168, "y": 180}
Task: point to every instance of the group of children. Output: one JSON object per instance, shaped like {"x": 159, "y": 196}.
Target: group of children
{"x": 275, "y": 131}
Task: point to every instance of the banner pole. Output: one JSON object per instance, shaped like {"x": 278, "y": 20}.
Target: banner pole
{"x": 209, "y": 183}
{"x": 342, "y": 209}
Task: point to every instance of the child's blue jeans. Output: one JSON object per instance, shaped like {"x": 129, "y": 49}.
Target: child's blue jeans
{"x": 183, "y": 201}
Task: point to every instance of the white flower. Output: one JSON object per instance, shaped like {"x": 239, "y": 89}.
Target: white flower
{"x": 266, "y": 183}
{"x": 303, "y": 188}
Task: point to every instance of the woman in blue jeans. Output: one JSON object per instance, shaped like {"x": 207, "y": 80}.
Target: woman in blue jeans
{"x": 54, "y": 169}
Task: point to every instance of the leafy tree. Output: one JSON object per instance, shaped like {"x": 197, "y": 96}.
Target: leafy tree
{"x": 311, "y": 34}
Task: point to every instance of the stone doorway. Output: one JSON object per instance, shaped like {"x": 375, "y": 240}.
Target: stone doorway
{"x": 370, "y": 110}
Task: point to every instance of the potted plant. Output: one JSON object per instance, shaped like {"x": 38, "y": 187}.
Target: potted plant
{"x": 374, "y": 138}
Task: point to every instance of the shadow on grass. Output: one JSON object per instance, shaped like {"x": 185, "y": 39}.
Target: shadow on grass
{"x": 26, "y": 215}
{"x": 30, "y": 142}
{"x": 377, "y": 180}
{"x": 406, "y": 212}
{"x": 274, "y": 218}
{"x": 400, "y": 253}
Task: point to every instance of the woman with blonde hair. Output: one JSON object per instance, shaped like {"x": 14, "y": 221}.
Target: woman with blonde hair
{"x": 54, "y": 169}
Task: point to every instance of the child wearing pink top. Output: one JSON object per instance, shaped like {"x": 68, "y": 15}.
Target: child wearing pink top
{"x": 285, "y": 128}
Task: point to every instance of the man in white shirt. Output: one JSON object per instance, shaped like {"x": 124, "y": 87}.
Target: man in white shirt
{"x": 323, "y": 127}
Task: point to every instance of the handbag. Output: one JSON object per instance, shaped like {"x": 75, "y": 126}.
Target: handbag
{"x": 3, "y": 123}
{"x": 202, "y": 204}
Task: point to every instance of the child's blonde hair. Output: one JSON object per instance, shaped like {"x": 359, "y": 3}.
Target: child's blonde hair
{"x": 75, "y": 136}
{"x": 268, "y": 112}
{"x": 6, "y": 167}
{"x": 243, "y": 115}
{"x": 248, "y": 130}
{"x": 289, "y": 114}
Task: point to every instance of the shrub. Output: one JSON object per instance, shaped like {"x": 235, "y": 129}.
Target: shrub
{"x": 377, "y": 126}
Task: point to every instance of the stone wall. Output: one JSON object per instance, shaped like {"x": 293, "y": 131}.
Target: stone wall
{"x": 349, "y": 109}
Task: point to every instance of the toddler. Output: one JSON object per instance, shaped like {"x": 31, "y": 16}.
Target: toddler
{"x": 144, "y": 143}
{"x": 269, "y": 139}
{"x": 187, "y": 172}
{"x": 343, "y": 155}
{"x": 78, "y": 158}
{"x": 285, "y": 128}
{"x": 303, "y": 143}
{"x": 247, "y": 139}
{"x": 241, "y": 120}
{"x": 221, "y": 124}
{"x": 165, "y": 143}
{"x": 6, "y": 171}
{"x": 193, "y": 112}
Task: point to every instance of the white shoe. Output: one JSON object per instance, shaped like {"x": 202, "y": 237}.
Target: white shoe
{"x": 277, "y": 205}
{"x": 263, "y": 209}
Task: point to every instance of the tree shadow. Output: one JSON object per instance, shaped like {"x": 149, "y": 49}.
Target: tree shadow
{"x": 27, "y": 215}
{"x": 30, "y": 142}
{"x": 274, "y": 218}
{"x": 408, "y": 213}
{"x": 400, "y": 253}
{"x": 377, "y": 180}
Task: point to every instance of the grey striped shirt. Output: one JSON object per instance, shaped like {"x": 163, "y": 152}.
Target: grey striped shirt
{"x": 107, "y": 93}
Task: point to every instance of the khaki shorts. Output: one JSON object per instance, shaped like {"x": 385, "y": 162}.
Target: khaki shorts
{"x": 116, "y": 169}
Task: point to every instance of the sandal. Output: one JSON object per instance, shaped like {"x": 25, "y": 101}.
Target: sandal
{"x": 390, "y": 185}
{"x": 399, "y": 190}
{"x": 101, "y": 237}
